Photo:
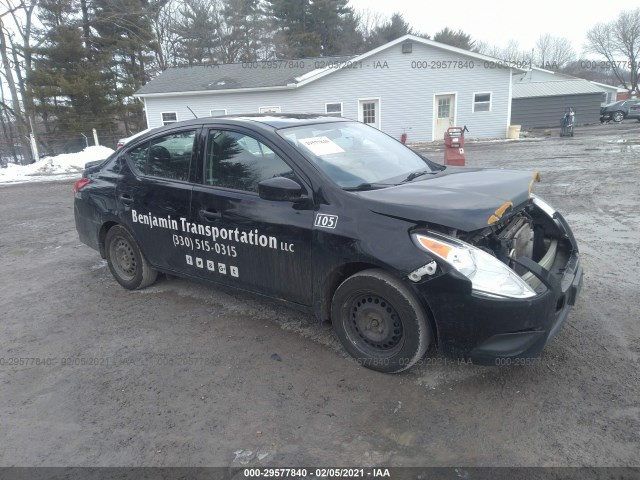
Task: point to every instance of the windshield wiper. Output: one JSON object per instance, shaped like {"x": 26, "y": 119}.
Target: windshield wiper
{"x": 367, "y": 186}
{"x": 415, "y": 175}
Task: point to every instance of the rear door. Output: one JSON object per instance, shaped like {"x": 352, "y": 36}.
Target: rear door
{"x": 444, "y": 114}
{"x": 154, "y": 196}
{"x": 241, "y": 239}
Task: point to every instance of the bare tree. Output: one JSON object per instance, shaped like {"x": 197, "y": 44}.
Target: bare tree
{"x": 368, "y": 21}
{"x": 165, "y": 25}
{"x": 553, "y": 53}
{"x": 619, "y": 43}
{"x": 22, "y": 54}
{"x": 10, "y": 67}
{"x": 486, "y": 49}
{"x": 512, "y": 53}
{"x": 515, "y": 54}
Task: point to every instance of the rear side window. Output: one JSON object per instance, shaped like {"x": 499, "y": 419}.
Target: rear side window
{"x": 240, "y": 162}
{"x": 165, "y": 157}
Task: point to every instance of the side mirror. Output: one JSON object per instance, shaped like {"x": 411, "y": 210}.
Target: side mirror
{"x": 279, "y": 189}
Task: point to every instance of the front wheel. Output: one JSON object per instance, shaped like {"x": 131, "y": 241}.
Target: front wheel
{"x": 380, "y": 322}
{"x": 126, "y": 262}
{"x": 617, "y": 116}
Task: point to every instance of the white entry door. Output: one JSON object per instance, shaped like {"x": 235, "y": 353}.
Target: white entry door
{"x": 369, "y": 112}
{"x": 444, "y": 114}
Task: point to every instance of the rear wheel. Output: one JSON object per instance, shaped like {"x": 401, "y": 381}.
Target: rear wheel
{"x": 126, "y": 262}
{"x": 380, "y": 322}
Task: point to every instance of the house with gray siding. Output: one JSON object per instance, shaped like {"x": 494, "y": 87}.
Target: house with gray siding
{"x": 410, "y": 85}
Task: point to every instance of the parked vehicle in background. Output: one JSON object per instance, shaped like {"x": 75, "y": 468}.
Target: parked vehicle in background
{"x": 123, "y": 141}
{"x": 618, "y": 111}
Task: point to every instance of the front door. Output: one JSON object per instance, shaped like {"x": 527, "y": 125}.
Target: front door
{"x": 154, "y": 197}
{"x": 369, "y": 112}
{"x": 241, "y": 239}
{"x": 444, "y": 114}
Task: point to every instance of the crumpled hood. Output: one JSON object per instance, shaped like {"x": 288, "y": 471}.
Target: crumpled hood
{"x": 464, "y": 198}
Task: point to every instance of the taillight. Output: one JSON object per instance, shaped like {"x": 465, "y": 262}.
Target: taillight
{"x": 79, "y": 184}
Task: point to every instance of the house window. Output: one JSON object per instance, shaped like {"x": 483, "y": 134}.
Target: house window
{"x": 218, "y": 112}
{"x": 482, "y": 102}
{"x": 444, "y": 107}
{"x": 269, "y": 110}
{"x": 169, "y": 117}
{"x": 333, "y": 109}
{"x": 369, "y": 112}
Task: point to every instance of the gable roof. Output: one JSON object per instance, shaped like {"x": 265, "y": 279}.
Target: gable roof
{"x": 227, "y": 77}
{"x": 259, "y": 76}
{"x": 553, "y": 88}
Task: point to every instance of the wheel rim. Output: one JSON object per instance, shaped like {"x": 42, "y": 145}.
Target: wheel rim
{"x": 617, "y": 117}
{"x": 374, "y": 326}
{"x": 123, "y": 258}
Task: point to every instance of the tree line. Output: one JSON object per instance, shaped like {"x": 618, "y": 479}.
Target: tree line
{"x": 69, "y": 66}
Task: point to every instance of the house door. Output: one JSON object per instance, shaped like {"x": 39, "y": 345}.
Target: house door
{"x": 445, "y": 107}
{"x": 369, "y": 112}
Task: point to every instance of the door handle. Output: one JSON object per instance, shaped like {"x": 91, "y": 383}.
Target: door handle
{"x": 210, "y": 214}
{"x": 126, "y": 198}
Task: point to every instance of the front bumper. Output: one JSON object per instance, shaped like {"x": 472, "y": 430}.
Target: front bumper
{"x": 487, "y": 330}
{"x": 529, "y": 343}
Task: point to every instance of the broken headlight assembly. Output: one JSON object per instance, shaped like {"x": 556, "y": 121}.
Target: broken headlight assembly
{"x": 488, "y": 275}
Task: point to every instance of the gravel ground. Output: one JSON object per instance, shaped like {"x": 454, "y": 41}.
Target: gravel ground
{"x": 183, "y": 374}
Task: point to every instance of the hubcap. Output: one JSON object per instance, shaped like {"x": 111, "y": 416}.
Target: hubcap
{"x": 375, "y": 324}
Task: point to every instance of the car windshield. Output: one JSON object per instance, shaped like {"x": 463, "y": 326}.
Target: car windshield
{"x": 355, "y": 155}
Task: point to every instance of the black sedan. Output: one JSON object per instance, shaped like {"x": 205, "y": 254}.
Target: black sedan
{"x": 618, "y": 111}
{"x": 339, "y": 219}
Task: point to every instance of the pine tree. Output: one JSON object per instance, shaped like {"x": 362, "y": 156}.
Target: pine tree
{"x": 313, "y": 27}
{"x": 125, "y": 36}
{"x": 69, "y": 85}
{"x": 394, "y": 28}
{"x": 455, "y": 39}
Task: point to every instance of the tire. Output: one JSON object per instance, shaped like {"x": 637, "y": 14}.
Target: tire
{"x": 380, "y": 322}
{"x": 126, "y": 262}
{"x": 617, "y": 116}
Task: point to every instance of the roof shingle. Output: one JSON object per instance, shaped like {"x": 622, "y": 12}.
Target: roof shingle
{"x": 231, "y": 76}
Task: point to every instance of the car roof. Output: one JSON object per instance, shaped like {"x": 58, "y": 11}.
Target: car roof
{"x": 264, "y": 121}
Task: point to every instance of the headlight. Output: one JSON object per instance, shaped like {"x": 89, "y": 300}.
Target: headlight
{"x": 488, "y": 275}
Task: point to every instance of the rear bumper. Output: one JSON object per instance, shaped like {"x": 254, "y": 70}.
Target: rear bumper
{"x": 86, "y": 226}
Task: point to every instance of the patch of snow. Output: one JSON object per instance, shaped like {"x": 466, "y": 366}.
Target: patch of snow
{"x": 61, "y": 167}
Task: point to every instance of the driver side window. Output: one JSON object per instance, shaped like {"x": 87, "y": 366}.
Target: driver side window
{"x": 240, "y": 162}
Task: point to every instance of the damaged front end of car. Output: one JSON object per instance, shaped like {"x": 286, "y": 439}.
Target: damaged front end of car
{"x": 522, "y": 275}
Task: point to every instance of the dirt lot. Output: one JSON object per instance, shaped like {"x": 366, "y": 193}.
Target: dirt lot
{"x": 183, "y": 374}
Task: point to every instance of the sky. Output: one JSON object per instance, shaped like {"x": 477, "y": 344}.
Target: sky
{"x": 499, "y": 21}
